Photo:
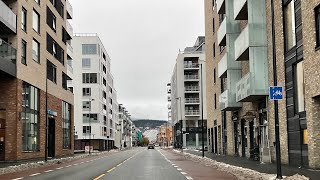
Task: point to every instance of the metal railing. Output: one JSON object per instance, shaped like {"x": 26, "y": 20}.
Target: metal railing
{"x": 192, "y": 112}
{"x": 193, "y": 65}
{"x": 192, "y": 88}
{"x": 7, "y": 52}
{"x": 192, "y": 100}
{"x": 191, "y": 76}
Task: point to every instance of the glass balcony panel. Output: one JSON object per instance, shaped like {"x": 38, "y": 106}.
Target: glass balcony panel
{"x": 8, "y": 20}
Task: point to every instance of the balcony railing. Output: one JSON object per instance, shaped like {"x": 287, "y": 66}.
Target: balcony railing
{"x": 192, "y": 100}
{"x": 192, "y": 88}
{"x": 190, "y": 77}
{"x": 221, "y": 6}
{"x": 7, "y": 17}
{"x": 69, "y": 29}
{"x": 193, "y": 65}
{"x": 192, "y": 112}
{"x": 222, "y": 32}
{"x": 8, "y": 57}
{"x": 69, "y": 10}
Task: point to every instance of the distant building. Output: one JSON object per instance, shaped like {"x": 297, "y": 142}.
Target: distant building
{"x": 165, "y": 137}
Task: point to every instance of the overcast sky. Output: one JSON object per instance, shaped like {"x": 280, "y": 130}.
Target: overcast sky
{"x": 142, "y": 38}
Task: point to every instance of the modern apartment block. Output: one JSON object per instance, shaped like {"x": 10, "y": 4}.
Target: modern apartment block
{"x": 186, "y": 91}
{"x": 34, "y": 36}
{"x": 95, "y": 96}
{"x": 165, "y": 135}
{"x": 239, "y": 57}
{"x": 124, "y": 134}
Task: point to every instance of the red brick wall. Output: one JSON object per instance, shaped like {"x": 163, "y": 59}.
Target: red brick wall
{"x": 11, "y": 101}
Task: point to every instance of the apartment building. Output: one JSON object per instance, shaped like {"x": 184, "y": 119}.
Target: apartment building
{"x": 124, "y": 127}
{"x": 165, "y": 135}
{"x": 95, "y": 96}
{"x": 34, "y": 36}
{"x": 187, "y": 81}
{"x": 239, "y": 50}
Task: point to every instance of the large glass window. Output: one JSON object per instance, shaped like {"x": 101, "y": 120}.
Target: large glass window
{"x": 89, "y": 78}
{"x": 35, "y": 50}
{"x": 24, "y": 19}
{"x": 317, "y": 14}
{"x": 299, "y": 87}
{"x": 86, "y": 105}
{"x": 30, "y": 118}
{"x": 90, "y": 118}
{"x": 89, "y": 49}
{"x": 66, "y": 122}
{"x": 86, "y": 129}
{"x": 86, "y": 63}
{"x": 290, "y": 26}
{"x": 36, "y": 21}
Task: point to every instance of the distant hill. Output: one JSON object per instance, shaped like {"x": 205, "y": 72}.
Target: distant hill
{"x": 148, "y": 123}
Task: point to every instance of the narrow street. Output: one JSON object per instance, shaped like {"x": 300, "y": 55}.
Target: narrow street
{"x": 138, "y": 163}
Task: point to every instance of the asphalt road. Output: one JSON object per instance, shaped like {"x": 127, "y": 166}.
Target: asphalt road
{"x": 136, "y": 164}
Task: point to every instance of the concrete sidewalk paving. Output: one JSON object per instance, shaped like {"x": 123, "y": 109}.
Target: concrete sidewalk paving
{"x": 257, "y": 166}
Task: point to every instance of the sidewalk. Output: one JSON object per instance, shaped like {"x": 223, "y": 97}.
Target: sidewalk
{"x": 262, "y": 168}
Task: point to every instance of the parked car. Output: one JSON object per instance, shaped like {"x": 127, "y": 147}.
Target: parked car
{"x": 151, "y": 146}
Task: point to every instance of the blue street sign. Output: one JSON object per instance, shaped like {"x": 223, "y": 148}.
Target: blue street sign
{"x": 276, "y": 93}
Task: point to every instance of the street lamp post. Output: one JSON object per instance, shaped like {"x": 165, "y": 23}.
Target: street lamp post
{"x": 181, "y": 124}
{"x": 202, "y": 125}
{"x": 276, "y": 113}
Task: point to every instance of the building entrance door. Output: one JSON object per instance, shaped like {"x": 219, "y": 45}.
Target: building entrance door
{"x": 51, "y": 137}
{"x": 2, "y": 134}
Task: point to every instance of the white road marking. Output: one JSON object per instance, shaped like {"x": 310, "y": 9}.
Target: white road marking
{"x": 81, "y": 162}
{"x": 75, "y": 164}
{"x": 184, "y": 173}
{"x": 173, "y": 164}
{"x": 34, "y": 174}
{"x": 179, "y": 169}
{"x": 176, "y": 166}
{"x": 49, "y": 171}
{"x": 18, "y": 178}
{"x": 189, "y": 178}
{"x": 68, "y": 166}
{"x": 59, "y": 168}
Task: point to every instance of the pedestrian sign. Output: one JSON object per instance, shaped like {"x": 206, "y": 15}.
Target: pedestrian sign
{"x": 276, "y": 93}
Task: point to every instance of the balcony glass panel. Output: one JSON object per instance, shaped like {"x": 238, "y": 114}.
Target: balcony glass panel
{"x": 222, "y": 31}
{"x": 7, "y": 17}
{"x": 8, "y": 56}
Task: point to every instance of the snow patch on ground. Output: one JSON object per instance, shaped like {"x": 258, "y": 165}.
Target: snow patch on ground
{"x": 240, "y": 172}
{"x": 30, "y": 165}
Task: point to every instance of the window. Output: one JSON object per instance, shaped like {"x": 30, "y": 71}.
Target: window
{"x": 104, "y": 107}
{"x": 86, "y": 63}
{"x": 317, "y": 14}
{"x": 51, "y": 19}
{"x": 93, "y": 117}
{"x": 37, "y": 1}
{"x": 86, "y": 129}
{"x": 24, "y": 19}
{"x": 35, "y": 51}
{"x": 89, "y": 78}
{"x": 104, "y": 69}
{"x": 104, "y": 82}
{"x": 221, "y": 48}
{"x": 86, "y": 91}
{"x": 299, "y": 87}
{"x": 62, "y": 10}
{"x": 54, "y": 23}
{"x": 66, "y": 122}
{"x": 36, "y": 21}
{"x": 30, "y": 117}
{"x": 290, "y": 26}
{"x": 215, "y": 101}
{"x": 110, "y": 100}
{"x": 104, "y": 94}
{"x": 24, "y": 52}
{"x": 213, "y": 25}
{"x": 214, "y": 75}
{"x": 89, "y": 49}
{"x": 65, "y": 79}
{"x": 51, "y": 71}
{"x": 86, "y": 105}
{"x": 54, "y": 49}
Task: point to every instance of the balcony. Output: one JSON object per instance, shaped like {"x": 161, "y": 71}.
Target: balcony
{"x": 191, "y": 77}
{"x": 8, "y": 20}
{"x": 192, "y": 113}
{"x": 222, "y": 32}
{"x": 223, "y": 66}
{"x": 221, "y": 6}
{"x": 8, "y": 57}
{"x": 192, "y": 101}
{"x": 228, "y": 102}
{"x": 191, "y": 66}
{"x": 251, "y": 88}
{"x": 69, "y": 51}
{"x": 69, "y": 30}
{"x": 191, "y": 89}
{"x": 241, "y": 9}
{"x": 69, "y": 10}
{"x": 251, "y": 42}
{"x": 70, "y": 71}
